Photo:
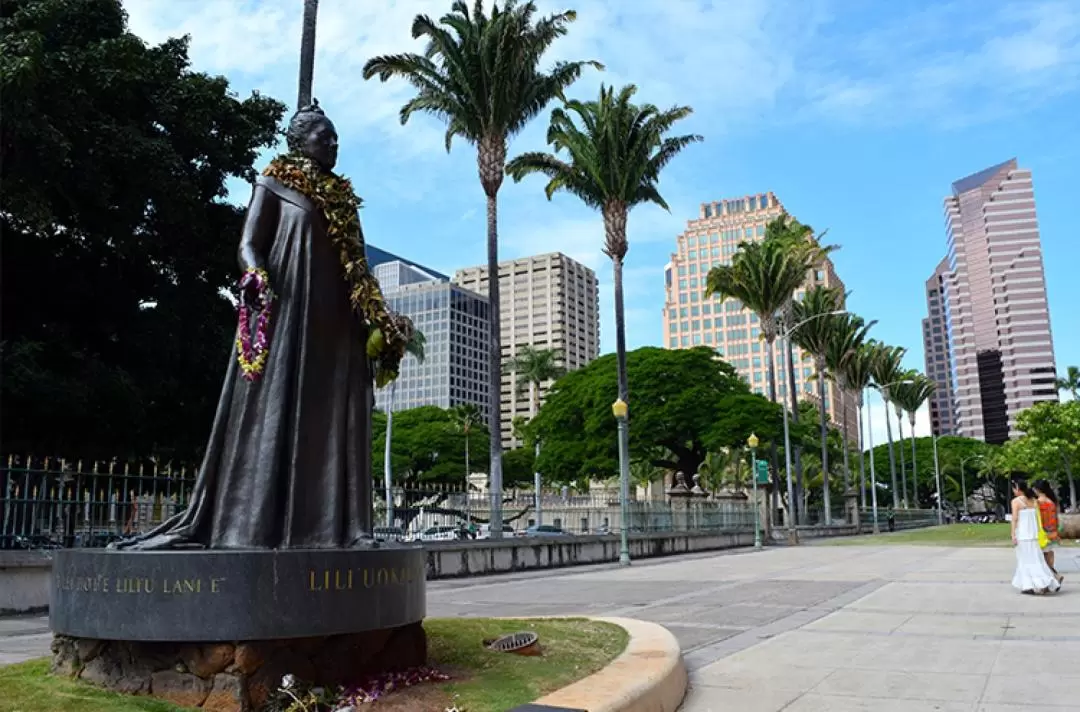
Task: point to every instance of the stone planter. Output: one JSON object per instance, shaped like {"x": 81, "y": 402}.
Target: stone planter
{"x": 1070, "y": 526}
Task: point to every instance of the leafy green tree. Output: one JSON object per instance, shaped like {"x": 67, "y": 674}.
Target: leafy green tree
{"x": 1052, "y": 438}
{"x": 614, "y": 151}
{"x": 1070, "y": 382}
{"x": 519, "y": 464}
{"x": 952, "y": 451}
{"x": 426, "y": 447}
{"x": 688, "y": 403}
{"x": 481, "y": 75}
{"x": 117, "y": 240}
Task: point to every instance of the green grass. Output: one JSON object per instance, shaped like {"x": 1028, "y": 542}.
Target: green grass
{"x": 483, "y": 681}
{"x": 573, "y": 649}
{"x": 948, "y": 535}
{"x": 28, "y": 687}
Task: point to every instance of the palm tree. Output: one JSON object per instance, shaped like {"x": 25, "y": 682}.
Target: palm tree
{"x": 615, "y": 150}
{"x": 535, "y": 367}
{"x": 307, "y": 53}
{"x": 907, "y": 378}
{"x": 886, "y": 371}
{"x": 415, "y": 346}
{"x": 786, "y": 228}
{"x": 1071, "y": 382}
{"x": 763, "y": 276}
{"x": 466, "y": 416}
{"x": 481, "y": 76}
{"x": 816, "y": 314}
{"x": 911, "y": 397}
{"x": 847, "y": 338}
{"x": 857, "y": 371}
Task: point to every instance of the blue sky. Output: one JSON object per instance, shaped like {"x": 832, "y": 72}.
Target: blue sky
{"x": 858, "y": 114}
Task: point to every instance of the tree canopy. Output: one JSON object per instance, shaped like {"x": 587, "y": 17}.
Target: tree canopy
{"x": 428, "y": 446}
{"x": 117, "y": 239}
{"x": 685, "y": 404}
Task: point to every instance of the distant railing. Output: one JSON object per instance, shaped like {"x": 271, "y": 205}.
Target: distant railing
{"x": 52, "y": 502}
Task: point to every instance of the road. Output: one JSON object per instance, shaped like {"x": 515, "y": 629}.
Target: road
{"x": 834, "y": 628}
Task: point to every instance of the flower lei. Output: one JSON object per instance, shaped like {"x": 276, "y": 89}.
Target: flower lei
{"x": 252, "y": 348}
{"x": 389, "y": 333}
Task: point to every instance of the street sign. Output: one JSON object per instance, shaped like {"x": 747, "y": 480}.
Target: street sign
{"x": 762, "y": 472}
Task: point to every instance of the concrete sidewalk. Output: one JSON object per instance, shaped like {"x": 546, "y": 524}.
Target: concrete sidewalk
{"x": 835, "y": 628}
{"x": 937, "y": 629}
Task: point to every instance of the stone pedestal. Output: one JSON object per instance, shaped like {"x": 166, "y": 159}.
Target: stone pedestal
{"x": 1070, "y": 525}
{"x": 218, "y": 629}
{"x": 851, "y": 507}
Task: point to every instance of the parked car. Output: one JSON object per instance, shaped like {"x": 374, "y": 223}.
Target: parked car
{"x": 485, "y": 531}
{"x": 438, "y": 534}
{"x": 389, "y": 533}
{"x": 546, "y": 530}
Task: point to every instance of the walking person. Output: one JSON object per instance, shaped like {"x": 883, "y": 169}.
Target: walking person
{"x": 1032, "y": 575}
{"x": 1048, "y": 517}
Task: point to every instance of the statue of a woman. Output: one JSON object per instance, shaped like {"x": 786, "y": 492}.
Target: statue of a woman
{"x": 288, "y": 463}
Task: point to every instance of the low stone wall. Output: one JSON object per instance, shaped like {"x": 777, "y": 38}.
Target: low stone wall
{"x": 24, "y": 581}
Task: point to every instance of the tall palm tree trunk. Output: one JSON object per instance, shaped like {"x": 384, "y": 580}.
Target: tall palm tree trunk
{"x": 774, "y": 460}
{"x": 914, "y": 471}
{"x": 903, "y": 466}
{"x": 892, "y": 459}
{"x": 1072, "y": 486}
{"x": 796, "y": 450}
{"x": 862, "y": 455}
{"x": 388, "y": 480}
{"x": 307, "y": 53}
{"x": 494, "y": 357}
{"x": 534, "y": 408}
{"x": 824, "y": 430}
{"x": 847, "y": 444}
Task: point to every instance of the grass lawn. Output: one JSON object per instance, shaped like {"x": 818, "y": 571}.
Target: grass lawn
{"x": 948, "y": 535}
{"x": 481, "y": 680}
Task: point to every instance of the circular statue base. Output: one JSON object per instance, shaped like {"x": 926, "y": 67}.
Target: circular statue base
{"x": 219, "y": 629}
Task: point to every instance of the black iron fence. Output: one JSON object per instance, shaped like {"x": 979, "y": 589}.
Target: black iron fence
{"x": 54, "y": 502}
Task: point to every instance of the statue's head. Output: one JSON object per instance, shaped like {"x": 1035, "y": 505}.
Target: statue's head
{"x": 313, "y": 135}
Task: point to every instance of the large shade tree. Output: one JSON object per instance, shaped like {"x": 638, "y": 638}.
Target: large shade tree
{"x": 482, "y": 76}
{"x": 609, "y": 153}
{"x": 118, "y": 241}
{"x": 687, "y": 404}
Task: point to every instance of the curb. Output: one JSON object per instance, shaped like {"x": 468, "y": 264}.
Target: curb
{"x": 649, "y": 676}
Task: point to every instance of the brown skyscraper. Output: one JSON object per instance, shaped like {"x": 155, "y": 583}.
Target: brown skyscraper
{"x": 996, "y": 314}
{"x": 936, "y": 350}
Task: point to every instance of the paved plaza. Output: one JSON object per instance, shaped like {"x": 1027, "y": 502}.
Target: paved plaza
{"x": 837, "y": 628}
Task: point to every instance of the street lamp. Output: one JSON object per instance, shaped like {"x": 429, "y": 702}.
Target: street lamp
{"x": 963, "y": 480}
{"x": 619, "y": 410}
{"x": 752, "y": 441}
{"x": 870, "y": 435}
{"x": 937, "y": 479}
{"x": 785, "y": 336}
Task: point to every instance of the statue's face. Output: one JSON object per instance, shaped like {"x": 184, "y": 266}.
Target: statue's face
{"x": 321, "y": 144}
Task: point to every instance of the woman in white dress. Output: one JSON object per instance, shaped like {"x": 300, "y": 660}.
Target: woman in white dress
{"x": 1032, "y": 574}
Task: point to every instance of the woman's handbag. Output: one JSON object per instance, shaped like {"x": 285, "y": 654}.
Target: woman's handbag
{"x": 1044, "y": 540}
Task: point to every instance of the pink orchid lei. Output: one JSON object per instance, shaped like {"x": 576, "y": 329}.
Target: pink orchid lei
{"x": 252, "y": 347}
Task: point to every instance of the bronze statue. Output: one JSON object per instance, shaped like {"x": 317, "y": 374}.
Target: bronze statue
{"x": 288, "y": 463}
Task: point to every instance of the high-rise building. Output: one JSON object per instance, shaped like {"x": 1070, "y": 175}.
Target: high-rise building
{"x": 936, "y": 351}
{"x": 996, "y": 312}
{"x": 691, "y": 319}
{"x": 548, "y": 302}
{"x": 454, "y": 322}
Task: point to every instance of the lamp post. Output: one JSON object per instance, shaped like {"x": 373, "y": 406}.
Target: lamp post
{"x": 937, "y": 480}
{"x": 752, "y": 441}
{"x": 785, "y": 337}
{"x": 619, "y": 410}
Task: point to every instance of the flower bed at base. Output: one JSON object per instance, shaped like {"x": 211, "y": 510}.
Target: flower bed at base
{"x": 477, "y": 679}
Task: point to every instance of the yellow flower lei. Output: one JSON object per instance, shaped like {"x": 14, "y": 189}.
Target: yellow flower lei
{"x": 389, "y": 332}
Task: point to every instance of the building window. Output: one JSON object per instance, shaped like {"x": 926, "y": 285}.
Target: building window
{"x": 819, "y": 275}
{"x": 673, "y": 342}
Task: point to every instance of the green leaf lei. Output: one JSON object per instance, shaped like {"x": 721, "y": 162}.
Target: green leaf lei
{"x": 389, "y": 332}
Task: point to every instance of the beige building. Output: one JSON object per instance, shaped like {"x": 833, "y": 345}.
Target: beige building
{"x": 691, "y": 319}
{"x": 997, "y": 318}
{"x": 546, "y": 301}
